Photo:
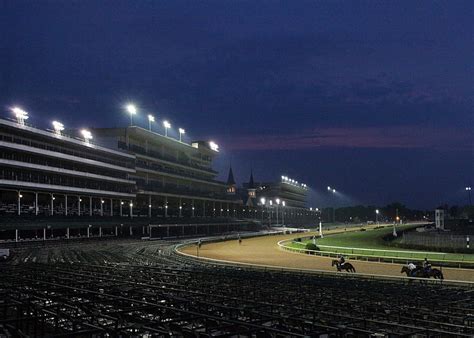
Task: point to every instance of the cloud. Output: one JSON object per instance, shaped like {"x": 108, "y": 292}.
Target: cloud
{"x": 398, "y": 137}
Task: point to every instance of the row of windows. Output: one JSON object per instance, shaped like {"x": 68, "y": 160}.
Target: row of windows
{"x": 14, "y": 174}
{"x": 83, "y": 153}
{"x": 58, "y": 163}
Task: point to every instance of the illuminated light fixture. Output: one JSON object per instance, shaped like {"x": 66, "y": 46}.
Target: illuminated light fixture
{"x": 377, "y": 211}
{"x": 271, "y": 202}
{"x": 181, "y": 132}
{"x": 151, "y": 119}
{"x": 102, "y": 201}
{"x": 132, "y": 110}
{"x": 87, "y": 135}
{"x": 262, "y": 200}
{"x": 329, "y": 188}
{"x": 310, "y": 209}
{"x": 58, "y": 127}
{"x": 131, "y": 204}
{"x": 20, "y": 115}
{"x": 283, "y": 203}
{"x": 468, "y": 188}
{"x": 149, "y": 205}
{"x": 333, "y": 190}
{"x": 167, "y": 126}
{"x": 214, "y": 146}
{"x": 277, "y": 201}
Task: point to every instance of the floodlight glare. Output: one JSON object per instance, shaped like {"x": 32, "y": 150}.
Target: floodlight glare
{"x": 167, "y": 125}
{"x": 262, "y": 200}
{"x": 58, "y": 127}
{"x": 151, "y": 118}
{"x": 87, "y": 135}
{"x": 213, "y": 146}
{"x": 20, "y": 115}
{"x": 181, "y": 132}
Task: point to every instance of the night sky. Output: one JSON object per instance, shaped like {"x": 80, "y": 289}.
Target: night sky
{"x": 374, "y": 98}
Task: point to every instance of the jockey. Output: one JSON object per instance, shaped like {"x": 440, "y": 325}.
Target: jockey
{"x": 426, "y": 265}
{"x": 412, "y": 268}
{"x": 342, "y": 260}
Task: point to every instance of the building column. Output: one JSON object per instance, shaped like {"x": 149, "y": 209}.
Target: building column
{"x": 180, "y": 207}
{"x": 130, "y": 230}
{"x": 166, "y": 206}
{"x": 44, "y": 234}
{"x": 36, "y": 204}
{"x": 16, "y": 235}
{"x": 111, "y": 207}
{"x": 121, "y": 204}
{"x": 149, "y": 206}
{"x": 67, "y": 232}
{"x": 65, "y": 205}
{"x": 52, "y": 204}
{"x": 19, "y": 203}
{"x": 100, "y": 231}
{"x": 88, "y": 231}
{"x": 90, "y": 205}
{"x": 192, "y": 208}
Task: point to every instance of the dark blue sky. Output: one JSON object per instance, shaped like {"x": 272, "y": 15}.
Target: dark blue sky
{"x": 374, "y": 98}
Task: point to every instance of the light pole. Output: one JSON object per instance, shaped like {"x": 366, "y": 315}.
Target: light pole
{"x": 58, "y": 127}
{"x": 262, "y": 202}
{"x": 277, "y": 205}
{"x": 377, "y": 211}
{"x": 270, "y": 213}
{"x": 283, "y": 205}
{"x": 20, "y": 114}
{"x": 167, "y": 125}
{"x": 132, "y": 110}
{"x": 332, "y": 190}
{"x": 151, "y": 119}
{"x": 87, "y": 135}
{"x": 468, "y": 189}
{"x": 181, "y": 132}
{"x": 397, "y": 219}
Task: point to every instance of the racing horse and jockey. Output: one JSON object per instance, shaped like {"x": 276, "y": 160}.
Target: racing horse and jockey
{"x": 341, "y": 264}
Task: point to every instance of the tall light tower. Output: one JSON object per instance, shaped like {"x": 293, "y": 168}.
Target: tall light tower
{"x": 58, "y": 127}
{"x": 283, "y": 205}
{"x": 377, "y": 211}
{"x": 181, "y": 133}
{"x": 132, "y": 110}
{"x": 20, "y": 114}
{"x": 468, "y": 189}
{"x": 277, "y": 205}
{"x": 167, "y": 126}
{"x": 151, "y": 119}
{"x": 262, "y": 202}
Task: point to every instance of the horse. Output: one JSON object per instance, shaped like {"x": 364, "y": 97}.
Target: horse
{"x": 419, "y": 272}
{"x": 346, "y": 266}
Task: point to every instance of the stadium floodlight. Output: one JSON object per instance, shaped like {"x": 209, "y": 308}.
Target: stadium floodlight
{"x": 468, "y": 188}
{"x": 213, "y": 146}
{"x": 329, "y": 188}
{"x": 20, "y": 115}
{"x": 167, "y": 126}
{"x": 334, "y": 190}
{"x": 58, "y": 127}
{"x": 181, "y": 132}
{"x": 151, "y": 119}
{"x": 87, "y": 135}
{"x": 262, "y": 200}
{"x": 132, "y": 110}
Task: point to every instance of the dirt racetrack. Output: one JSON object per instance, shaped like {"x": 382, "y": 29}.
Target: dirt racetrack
{"x": 265, "y": 251}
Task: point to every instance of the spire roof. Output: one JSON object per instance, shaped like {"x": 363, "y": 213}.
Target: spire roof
{"x": 230, "y": 178}
{"x": 251, "y": 182}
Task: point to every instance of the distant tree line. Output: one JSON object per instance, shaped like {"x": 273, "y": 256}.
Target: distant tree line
{"x": 388, "y": 213}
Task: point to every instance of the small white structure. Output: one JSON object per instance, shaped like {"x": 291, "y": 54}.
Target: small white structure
{"x": 439, "y": 219}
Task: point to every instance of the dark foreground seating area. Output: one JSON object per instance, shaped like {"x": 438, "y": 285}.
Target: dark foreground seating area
{"x": 135, "y": 288}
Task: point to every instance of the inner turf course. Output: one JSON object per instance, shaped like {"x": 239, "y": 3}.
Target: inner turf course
{"x": 265, "y": 251}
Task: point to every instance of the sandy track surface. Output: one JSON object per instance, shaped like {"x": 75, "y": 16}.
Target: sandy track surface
{"x": 265, "y": 251}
